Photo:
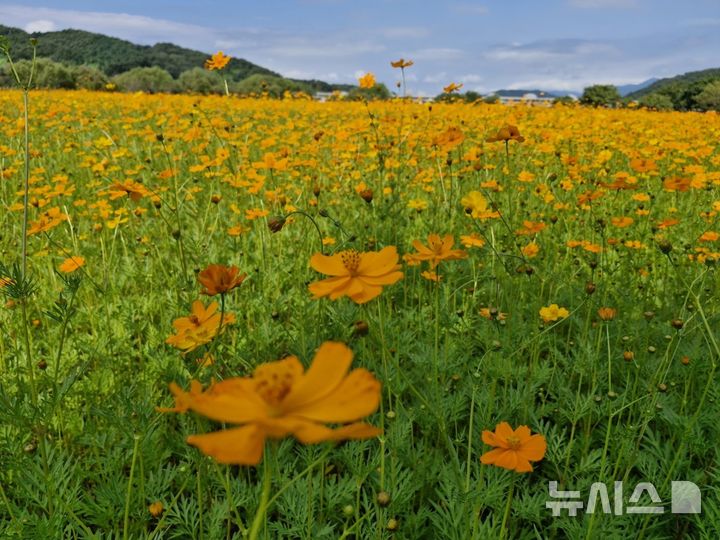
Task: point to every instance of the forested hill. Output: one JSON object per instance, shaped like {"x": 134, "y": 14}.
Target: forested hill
{"x": 112, "y": 55}
{"x": 695, "y": 89}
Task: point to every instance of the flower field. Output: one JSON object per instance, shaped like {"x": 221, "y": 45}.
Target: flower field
{"x": 290, "y": 319}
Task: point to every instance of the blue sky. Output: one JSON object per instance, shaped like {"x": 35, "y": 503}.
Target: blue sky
{"x": 487, "y": 45}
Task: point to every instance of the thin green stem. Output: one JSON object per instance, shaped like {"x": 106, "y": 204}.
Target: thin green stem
{"x": 259, "y": 519}
{"x": 128, "y": 493}
{"x": 506, "y": 515}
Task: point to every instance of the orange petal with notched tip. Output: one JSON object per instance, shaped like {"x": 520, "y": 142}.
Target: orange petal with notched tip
{"x": 237, "y": 446}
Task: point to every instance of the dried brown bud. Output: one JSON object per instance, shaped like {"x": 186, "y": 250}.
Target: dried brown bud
{"x": 360, "y": 328}
{"x": 367, "y": 195}
{"x": 276, "y": 223}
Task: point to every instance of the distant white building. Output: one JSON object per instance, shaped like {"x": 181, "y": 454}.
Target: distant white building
{"x": 512, "y": 97}
{"x": 327, "y": 96}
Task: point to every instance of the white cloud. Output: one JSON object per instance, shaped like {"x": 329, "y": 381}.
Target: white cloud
{"x": 436, "y": 78}
{"x": 471, "y": 78}
{"x": 136, "y": 28}
{"x": 40, "y": 25}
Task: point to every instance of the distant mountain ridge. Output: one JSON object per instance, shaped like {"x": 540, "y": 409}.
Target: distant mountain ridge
{"x": 113, "y": 55}
{"x": 686, "y": 79}
{"x": 627, "y": 89}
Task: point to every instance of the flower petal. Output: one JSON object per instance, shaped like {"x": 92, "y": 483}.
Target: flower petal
{"x": 367, "y": 293}
{"x": 378, "y": 263}
{"x": 356, "y": 397}
{"x": 522, "y": 433}
{"x": 534, "y": 448}
{"x": 331, "y": 265}
{"x": 329, "y": 367}
{"x": 507, "y": 460}
{"x": 237, "y": 446}
{"x": 328, "y": 286}
{"x": 232, "y": 400}
{"x": 491, "y": 457}
{"x": 385, "y": 279}
{"x": 311, "y": 433}
{"x": 503, "y": 430}
{"x": 522, "y": 465}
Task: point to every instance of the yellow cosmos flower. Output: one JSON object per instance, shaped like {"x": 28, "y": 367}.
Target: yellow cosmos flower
{"x": 553, "y": 313}
{"x": 217, "y": 61}
{"x": 477, "y": 206}
{"x": 367, "y": 81}
{"x": 200, "y": 327}
{"x": 282, "y": 399}
{"x": 437, "y": 250}
{"x": 452, "y": 87}
{"x": 360, "y": 276}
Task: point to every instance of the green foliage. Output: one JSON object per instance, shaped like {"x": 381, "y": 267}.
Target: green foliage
{"x": 659, "y": 102}
{"x": 113, "y": 56}
{"x": 48, "y": 74}
{"x": 147, "y": 79}
{"x": 682, "y": 90}
{"x": 709, "y": 98}
{"x": 89, "y": 78}
{"x": 201, "y": 81}
{"x": 600, "y": 95}
{"x": 379, "y": 91}
{"x": 273, "y": 86}
{"x": 564, "y": 100}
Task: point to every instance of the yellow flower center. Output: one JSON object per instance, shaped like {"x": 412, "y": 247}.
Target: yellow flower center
{"x": 273, "y": 381}
{"x": 351, "y": 260}
{"x": 513, "y": 442}
{"x": 194, "y": 319}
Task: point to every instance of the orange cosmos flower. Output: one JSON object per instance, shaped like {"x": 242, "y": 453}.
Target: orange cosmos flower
{"x": 452, "y": 87}
{"x": 530, "y": 250}
{"x": 607, "y": 313}
{"x": 709, "y": 236}
{"x": 156, "y": 509}
{"x": 48, "y": 220}
{"x": 514, "y": 449}
{"x": 217, "y": 61}
{"x": 71, "y": 264}
{"x": 219, "y": 279}
{"x": 357, "y": 275}
{"x": 282, "y": 399}
{"x": 472, "y": 240}
{"x": 199, "y": 328}
{"x": 134, "y": 190}
{"x": 402, "y": 63}
{"x": 438, "y": 249}
{"x": 507, "y": 133}
{"x": 367, "y": 81}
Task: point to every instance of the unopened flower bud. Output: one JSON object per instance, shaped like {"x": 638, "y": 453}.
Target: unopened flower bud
{"x": 276, "y": 223}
